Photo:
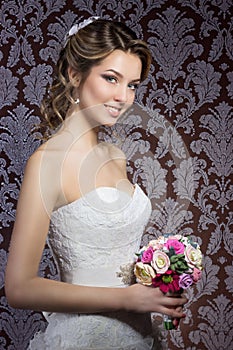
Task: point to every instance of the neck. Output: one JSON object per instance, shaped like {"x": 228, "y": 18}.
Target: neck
{"x": 82, "y": 129}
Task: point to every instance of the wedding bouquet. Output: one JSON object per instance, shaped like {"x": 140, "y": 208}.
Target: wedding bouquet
{"x": 172, "y": 263}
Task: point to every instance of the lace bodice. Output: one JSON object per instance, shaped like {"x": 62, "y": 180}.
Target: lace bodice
{"x": 98, "y": 233}
{"x": 91, "y": 239}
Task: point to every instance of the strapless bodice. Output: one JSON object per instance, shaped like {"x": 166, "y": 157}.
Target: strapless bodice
{"x": 93, "y": 239}
{"x": 96, "y": 234}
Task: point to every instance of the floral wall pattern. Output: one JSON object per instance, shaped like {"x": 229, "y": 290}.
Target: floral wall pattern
{"x": 179, "y": 142}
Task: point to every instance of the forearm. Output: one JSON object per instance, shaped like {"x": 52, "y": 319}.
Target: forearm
{"x": 42, "y": 294}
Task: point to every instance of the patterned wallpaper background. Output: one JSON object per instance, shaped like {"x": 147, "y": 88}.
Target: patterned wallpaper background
{"x": 178, "y": 143}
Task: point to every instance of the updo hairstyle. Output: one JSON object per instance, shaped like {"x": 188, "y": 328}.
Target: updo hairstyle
{"x": 83, "y": 50}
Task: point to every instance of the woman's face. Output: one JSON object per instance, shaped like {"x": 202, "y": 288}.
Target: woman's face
{"x": 110, "y": 87}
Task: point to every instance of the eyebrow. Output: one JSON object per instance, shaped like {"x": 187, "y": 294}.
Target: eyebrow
{"x": 121, "y": 76}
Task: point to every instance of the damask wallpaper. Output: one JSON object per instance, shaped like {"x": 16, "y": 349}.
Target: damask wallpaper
{"x": 178, "y": 140}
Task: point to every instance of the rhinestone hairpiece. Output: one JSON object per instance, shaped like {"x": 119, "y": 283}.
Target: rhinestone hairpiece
{"x": 76, "y": 27}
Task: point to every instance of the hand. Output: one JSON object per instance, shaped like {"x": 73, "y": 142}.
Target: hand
{"x": 141, "y": 298}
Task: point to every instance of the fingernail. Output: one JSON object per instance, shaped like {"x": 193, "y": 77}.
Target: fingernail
{"x": 176, "y": 322}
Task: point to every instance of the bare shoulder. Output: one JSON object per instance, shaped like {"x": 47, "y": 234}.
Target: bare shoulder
{"x": 47, "y": 154}
{"x": 43, "y": 174}
{"x": 34, "y": 161}
{"x": 38, "y": 160}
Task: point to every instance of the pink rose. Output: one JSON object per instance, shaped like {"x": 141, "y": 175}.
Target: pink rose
{"x": 160, "y": 262}
{"x": 176, "y": 245}
{"x": 185, "y": 281}
{"x": 196, "y": 274}
{"x": 147, "y": 255}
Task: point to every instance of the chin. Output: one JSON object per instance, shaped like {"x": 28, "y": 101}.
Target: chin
{"x": 110, "y": 124}
{"x": 110, "y": 121}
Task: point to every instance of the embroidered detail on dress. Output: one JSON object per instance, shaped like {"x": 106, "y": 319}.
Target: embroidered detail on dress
{"x": 127, "y": 274}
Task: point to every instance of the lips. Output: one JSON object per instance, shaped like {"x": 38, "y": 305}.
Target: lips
{"x": 113, "y": 111}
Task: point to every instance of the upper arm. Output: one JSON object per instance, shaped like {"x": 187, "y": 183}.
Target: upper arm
{"x": 35, "y": 204}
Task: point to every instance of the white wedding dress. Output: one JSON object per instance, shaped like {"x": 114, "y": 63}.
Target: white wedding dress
{"x": 93, "y": 240}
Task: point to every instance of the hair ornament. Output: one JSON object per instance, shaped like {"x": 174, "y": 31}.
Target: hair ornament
{"x": 76, "y": 27}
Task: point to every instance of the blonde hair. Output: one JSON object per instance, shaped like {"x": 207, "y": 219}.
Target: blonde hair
{"x": 87, "y": 48}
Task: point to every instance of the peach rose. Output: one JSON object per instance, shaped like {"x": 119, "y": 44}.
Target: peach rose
{"x": 160, "y": 262}
{"x": 177, "y": 237}
{"x": 193, "y": 256}
{"x": 144, "y": 273}
{"x": 157, "y": 243}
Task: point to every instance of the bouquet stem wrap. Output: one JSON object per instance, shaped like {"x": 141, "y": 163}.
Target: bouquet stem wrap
{"x": 168, "y": 322}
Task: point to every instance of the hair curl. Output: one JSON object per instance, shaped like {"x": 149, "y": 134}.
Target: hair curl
{"x": 87, "y": 48}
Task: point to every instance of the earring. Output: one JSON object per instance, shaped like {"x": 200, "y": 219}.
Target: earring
{"x": 77, "y": 101}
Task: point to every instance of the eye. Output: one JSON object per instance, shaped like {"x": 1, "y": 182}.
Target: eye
{"x": 133, "y": 86}
{"x": 110, "y": 78}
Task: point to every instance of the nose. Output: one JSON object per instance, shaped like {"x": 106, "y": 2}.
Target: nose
{"x": 121, "y": 94}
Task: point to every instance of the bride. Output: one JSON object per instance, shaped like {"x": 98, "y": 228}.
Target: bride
{"x": 76, "y": 195}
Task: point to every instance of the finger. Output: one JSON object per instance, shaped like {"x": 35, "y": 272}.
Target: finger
{"x": 174, "y": 301}
{"x": 176, "y": 322}
{"x": 181, "y": 297}
{"x": 172, "y": 312}
{"x": 179, "y": 309}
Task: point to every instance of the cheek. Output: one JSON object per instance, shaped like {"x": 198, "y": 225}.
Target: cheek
{"x": 96, "y": 92}
{"x": 131, "y": 97}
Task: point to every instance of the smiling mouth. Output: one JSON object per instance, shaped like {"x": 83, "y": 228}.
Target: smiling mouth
{"x": 114, "y": 111}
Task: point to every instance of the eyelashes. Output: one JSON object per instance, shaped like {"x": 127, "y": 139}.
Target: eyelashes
{"x": 110, "y": 78}
{"x": 133, "y": 86}
{"x": 114, "y": 80}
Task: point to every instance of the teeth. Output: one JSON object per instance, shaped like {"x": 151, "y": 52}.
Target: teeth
{"x": 113, "y": 110}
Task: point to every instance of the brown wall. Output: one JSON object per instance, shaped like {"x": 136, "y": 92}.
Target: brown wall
{"x": 181, "y": 154}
